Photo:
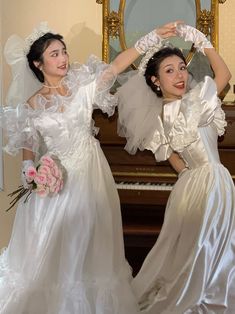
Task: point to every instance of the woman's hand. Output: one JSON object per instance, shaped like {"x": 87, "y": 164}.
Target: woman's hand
{"x": 156, "y": 37}
{"x": 222, "y": 74}
{"x": 152, "y": 39}
{"x": 168, "y": 30}
{"x": 189, "y": 33}
{"x": 25, "y": 165}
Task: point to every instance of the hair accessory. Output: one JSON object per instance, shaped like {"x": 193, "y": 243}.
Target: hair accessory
{"x": 149, "y": 54}
{"x": 38, "y": 32}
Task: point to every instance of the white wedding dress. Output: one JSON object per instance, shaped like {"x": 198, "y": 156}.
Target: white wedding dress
{"x": 191, "y": 268}
{"x": 66, "y": 253}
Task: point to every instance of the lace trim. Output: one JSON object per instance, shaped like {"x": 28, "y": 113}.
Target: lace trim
{"x": 74, "y": 158}
{"x": 73, "y": 295}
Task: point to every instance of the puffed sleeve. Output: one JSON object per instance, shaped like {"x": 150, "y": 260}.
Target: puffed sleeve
{"x": 18, "y": 128}
{"x": 211, "y": 109}
{"x": 104, "y": 79}
{"x": 198, "y": 108}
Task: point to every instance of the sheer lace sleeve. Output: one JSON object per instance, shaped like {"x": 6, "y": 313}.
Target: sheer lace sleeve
{"x": 19, "y": 131}
{"x": 104, "y": 79}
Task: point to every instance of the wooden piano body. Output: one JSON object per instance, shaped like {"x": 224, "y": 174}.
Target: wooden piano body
{"x": 144, "y": 185}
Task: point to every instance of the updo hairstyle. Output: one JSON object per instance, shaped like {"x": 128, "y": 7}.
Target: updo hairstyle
{"x": 37, "y": 49}
{"x": 153, "y": 65}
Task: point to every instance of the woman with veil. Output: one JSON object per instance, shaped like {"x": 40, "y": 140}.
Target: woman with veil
{"x": 190, "y": 269}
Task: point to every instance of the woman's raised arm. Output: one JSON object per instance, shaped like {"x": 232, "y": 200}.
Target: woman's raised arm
{"x": 219, "y": 67}
{"x": 127, "y": 57}
{"x": 202, "y": 44}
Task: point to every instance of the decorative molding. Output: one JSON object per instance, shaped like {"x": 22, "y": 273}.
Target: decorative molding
{"x": 99, "y": 1}
{"x": 222, "y": 1}
{"x": 205, "y": 21}
{"x": 113, "y": 24}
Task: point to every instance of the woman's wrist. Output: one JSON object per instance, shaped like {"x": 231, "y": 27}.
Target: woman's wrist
{"x": 189, "y": 33}
{"x": 144, "y": 43}
{"x": 183, "y": 171}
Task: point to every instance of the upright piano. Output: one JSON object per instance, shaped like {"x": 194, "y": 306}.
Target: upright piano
{"x": 144, "y": 185}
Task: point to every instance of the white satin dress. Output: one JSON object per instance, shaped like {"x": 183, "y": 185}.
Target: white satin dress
{"x": 66, "y": 253}
{"x": 191, "y": 268}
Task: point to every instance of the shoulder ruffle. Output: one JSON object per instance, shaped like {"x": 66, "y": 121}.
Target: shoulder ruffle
{"x": 19, "y": 129}
{"x": 96, "y": 75}
{"x": 198, "y": 108}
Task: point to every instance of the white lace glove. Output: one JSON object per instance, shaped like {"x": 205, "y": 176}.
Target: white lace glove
{"x": 25, "y": 165}
{"x": 148, "y": 41}
{"x": 189, "y": 33}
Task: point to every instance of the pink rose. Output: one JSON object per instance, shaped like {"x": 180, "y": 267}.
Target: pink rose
{"x": 44, "y": 170}
{"x": 30, "y": 173}
{"x": 40, "y": 179}
{"x": 48, "y": 177}
{"x": 55, "y": 171}
{"x": 51, "y": 180}
{"x": 47, "y": 161}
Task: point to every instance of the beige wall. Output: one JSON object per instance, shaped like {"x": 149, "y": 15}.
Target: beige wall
{"x": 227, "y": 39}
{"x": 80, "y": 24}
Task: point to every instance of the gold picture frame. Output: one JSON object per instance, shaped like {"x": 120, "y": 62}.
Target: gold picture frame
{"x": 113, "y": 24}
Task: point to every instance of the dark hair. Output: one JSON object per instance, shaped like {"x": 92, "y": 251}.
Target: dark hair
{"x": 153, "y": 65}
{"x": 37, "y": 49}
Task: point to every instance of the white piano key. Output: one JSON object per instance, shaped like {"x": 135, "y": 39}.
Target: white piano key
{"x": 144, "y": 186}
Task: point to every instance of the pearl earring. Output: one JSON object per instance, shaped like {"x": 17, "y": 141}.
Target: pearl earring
{"x": 158, "y": 88}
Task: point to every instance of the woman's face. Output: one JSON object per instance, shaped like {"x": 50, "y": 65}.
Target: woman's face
{"x": 55, "y": 60}
{"x": 173, "y": 77}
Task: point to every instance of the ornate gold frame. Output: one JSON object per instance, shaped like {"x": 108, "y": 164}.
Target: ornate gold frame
{"x": 113, "y": 24}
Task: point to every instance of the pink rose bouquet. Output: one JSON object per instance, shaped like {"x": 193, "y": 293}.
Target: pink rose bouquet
{"x": 47, "y": 179}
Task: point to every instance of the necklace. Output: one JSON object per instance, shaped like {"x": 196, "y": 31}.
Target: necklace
{"x": 51, "y": 86}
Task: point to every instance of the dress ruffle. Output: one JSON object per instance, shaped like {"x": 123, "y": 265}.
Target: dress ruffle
{"x": 19, "y": 129}
{"x": 66, "y": 297}
{"x": 18, "y": 123}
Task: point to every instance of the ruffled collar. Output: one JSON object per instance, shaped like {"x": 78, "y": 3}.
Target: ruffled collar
{"x": 79, "y": 75}
{"x": 185, "y": 107}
